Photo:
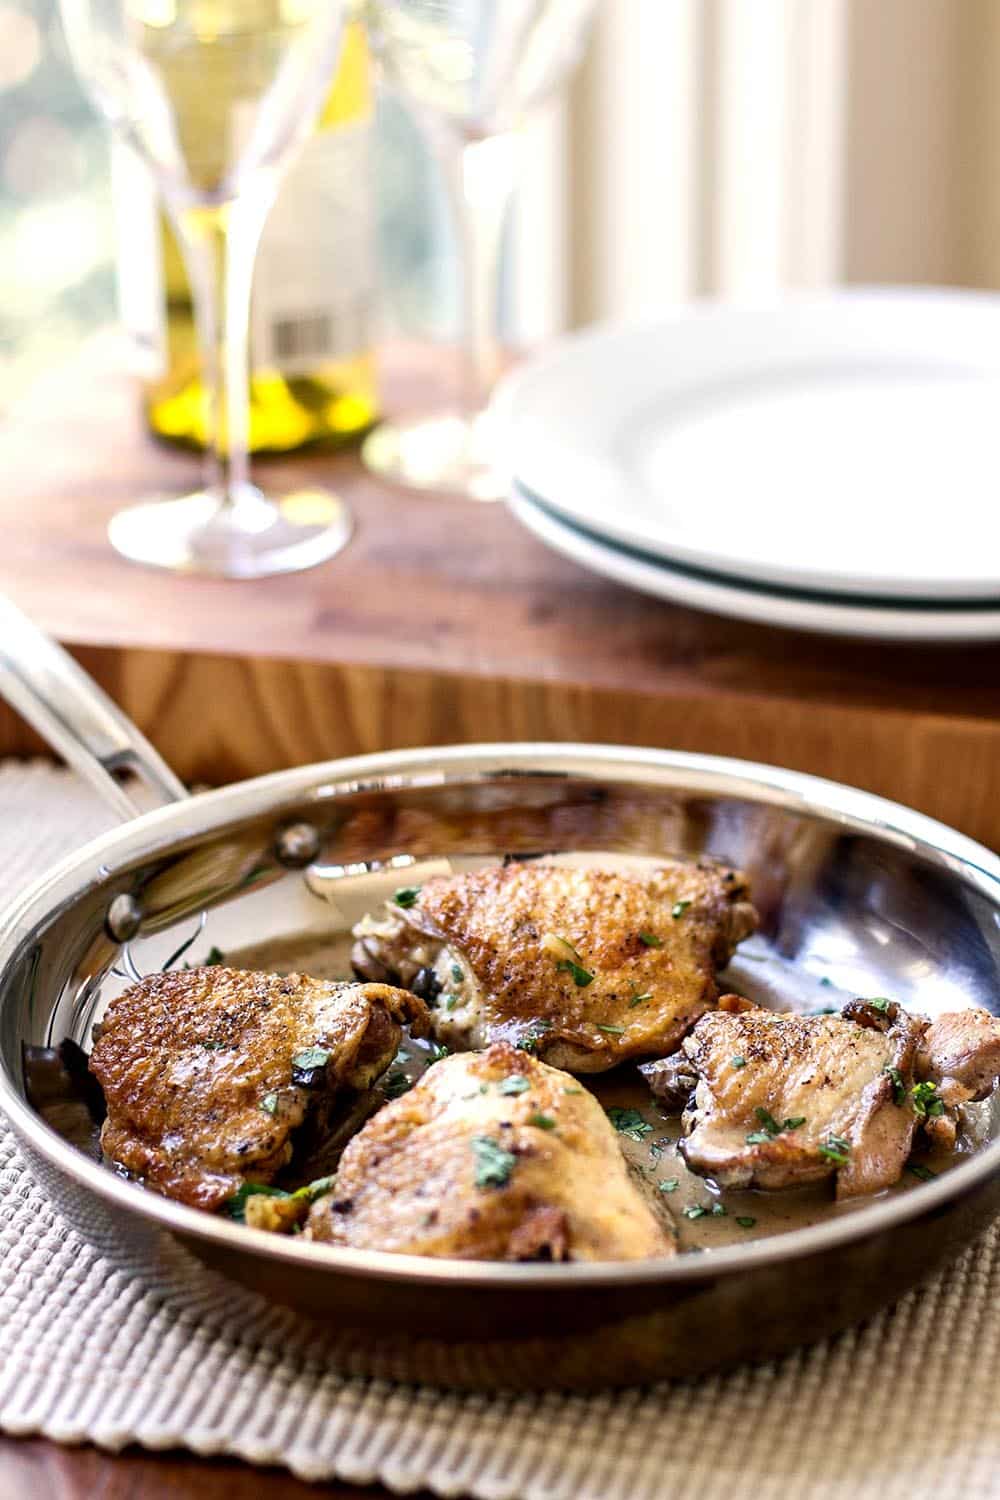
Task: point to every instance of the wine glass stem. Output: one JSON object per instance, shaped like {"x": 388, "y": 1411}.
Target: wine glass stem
{"x": 483, "y": 175}
{"x": 219, "y": 246}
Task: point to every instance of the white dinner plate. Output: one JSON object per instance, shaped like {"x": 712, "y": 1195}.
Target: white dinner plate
{"x": 720, "y": 596}
{"x": 845, "y": 444}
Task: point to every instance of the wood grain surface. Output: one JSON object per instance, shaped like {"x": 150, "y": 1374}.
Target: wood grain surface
{"x": 444, "y": 622}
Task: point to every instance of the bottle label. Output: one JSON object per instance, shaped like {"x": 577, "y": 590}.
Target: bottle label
{"x": 314, "y": 280}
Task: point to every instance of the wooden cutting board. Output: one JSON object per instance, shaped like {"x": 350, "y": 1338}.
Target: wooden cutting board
{"x": 444, "y": 622}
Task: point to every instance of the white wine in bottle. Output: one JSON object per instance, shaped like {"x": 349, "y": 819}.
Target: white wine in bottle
{"x": 314, "y": 290}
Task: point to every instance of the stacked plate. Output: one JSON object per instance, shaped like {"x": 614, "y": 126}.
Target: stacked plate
{"x": 829, "y": 464}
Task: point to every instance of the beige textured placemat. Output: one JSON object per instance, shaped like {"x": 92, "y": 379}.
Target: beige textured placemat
{"x": 905, "y": 1409}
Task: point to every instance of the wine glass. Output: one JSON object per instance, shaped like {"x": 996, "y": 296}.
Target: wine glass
{"x": 215, "y": 96}
{"x": 471, "y": 70}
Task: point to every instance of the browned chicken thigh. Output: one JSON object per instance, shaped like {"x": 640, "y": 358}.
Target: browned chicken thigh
{"x": 492, "y": 1156}
{"x": 960, "y": 1055}
{"x": 584, "y": 967}
{"x": 780, "y": 1100}
{"x": 211, "y": 1074}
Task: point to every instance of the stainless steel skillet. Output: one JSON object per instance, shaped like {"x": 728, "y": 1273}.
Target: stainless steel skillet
{"x": 870, "y": 895}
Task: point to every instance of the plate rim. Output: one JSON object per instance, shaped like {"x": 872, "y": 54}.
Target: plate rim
{"x": 600, "y": 515}
{"x": 790, "y": 609}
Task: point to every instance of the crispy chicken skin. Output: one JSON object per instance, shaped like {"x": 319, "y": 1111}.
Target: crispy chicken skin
{"x": 507, "y": 954}
{"x": 209, "y": 1074}
{"x": 492, "y": 1156}
{"x": 782, "y": 1100}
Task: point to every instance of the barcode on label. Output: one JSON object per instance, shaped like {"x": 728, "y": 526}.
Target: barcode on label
{"x": 309, "y": 336}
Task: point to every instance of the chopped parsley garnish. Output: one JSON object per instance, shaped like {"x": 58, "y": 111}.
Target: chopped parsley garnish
{"x": 437, "y": 1051}
{"x": 530, "y": 1042}
{"x": 543, "y": 1122}
{"x": 926, "y": 1103}
{"x": 514, "y": 1083}
{"x": 456, "y": 974}
{"x": 696, "y": 1211}
{"x": 920, "y": 1171}
{"x": 879, "y": 1003}
{"x": 214, "y": 956}
{"x": 738, "y": 1061}
{"x": 679, "y": 908}
{"x": 312, "y": 1057}
{"x": 898, "y": 1086}
{"x": 235, "y": 1207}
{"x": 746, "y": 1221}
{"x": 835, "y": 1148}
{"x": 493, "y": 1164}
{"x": 567, "y": 959}
{"x": 396, "y": 1085}
{"x": 269, "y": 1104}
{"x": 770, "y": 1125}
{"x": 572, "y": 1091}
{"x": 718, "y": 1210}
{"x": 826, "y": 980}
{"x": 612, "y": 1030}
{"x": 669, "y": 1184}
{"x": 211, "y": 1046}
{"x": 629, "y": 1122}
{"x": 450, "y": 1001}
{"x": 758, "y": 1138}
{"x": 640, "y": 999}
{"x": 650, "y": 940}
{"x": 581, "y": 976}
{"x": 406, "y": 896}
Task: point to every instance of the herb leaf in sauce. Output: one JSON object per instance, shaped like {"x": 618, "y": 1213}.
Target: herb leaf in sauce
{"x": 638, "y": 999}
{"x": 879, "y": 1003}
{"x": 437, "y": 1051}
{"x": 898, "y": 1086}
{"x": 406, "y": 896}
{"x": 696, "y": 1211}
{"x": 679, "y": 908}
{"x": 514, "y": 1083}
{"x": 269, "y": 1104}
{"x": 235, "y": 1207}
{"x": 836, "y": 1149}
{"x": 650, "y": 940}
{"x": 718, "y": 1210}
{"x": 771, "y": 1128}
{"x": 738, "y": 1061}
{"x": 926, "y": 1103}
{"x": 611, "y": 1030}
{"x": 629, "y": 1122}
{"x": 213, "y": 1046}
{"x": 312, "y": 1057}
{"x": 456, "y": 974}
{"x": 746, "y": 1221}
{"x": 924, "y": 1174}
{"x": 493, "y": 1164}
{"x": 543, "y": 1122}
{"x": 214, "y": 956}
{"x": 396, "y": 1085}
{"x": 669, "y": 1184}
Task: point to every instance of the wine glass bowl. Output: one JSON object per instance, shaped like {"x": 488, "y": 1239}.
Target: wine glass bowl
{"x": 215, "y": 96}
{"x": 472, "y": 71}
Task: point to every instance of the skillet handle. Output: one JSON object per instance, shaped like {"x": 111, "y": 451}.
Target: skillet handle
{"x": 76, "y": 717}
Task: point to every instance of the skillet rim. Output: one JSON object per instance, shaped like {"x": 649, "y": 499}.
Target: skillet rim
{"x": 206, "y": 812}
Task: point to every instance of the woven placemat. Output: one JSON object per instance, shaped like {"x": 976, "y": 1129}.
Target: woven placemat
{"x": 903, "y": 1409}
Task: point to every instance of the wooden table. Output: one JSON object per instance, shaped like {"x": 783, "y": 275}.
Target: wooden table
{"x": 442, "y": 623}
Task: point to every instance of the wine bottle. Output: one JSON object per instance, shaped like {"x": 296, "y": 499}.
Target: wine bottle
{"x": 314, "y": 291}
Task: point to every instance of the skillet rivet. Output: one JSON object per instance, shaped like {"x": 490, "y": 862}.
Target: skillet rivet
{"x": 124, "y": 918}
{"x": 297, "y": 845}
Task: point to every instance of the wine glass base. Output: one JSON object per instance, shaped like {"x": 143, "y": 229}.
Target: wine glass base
{"x": 253, "y": 537}
{"x": 448, "y": 452}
